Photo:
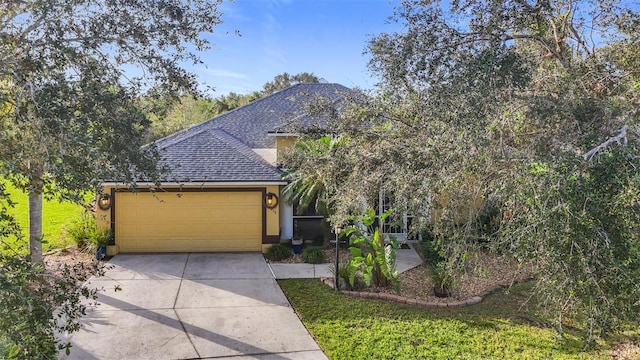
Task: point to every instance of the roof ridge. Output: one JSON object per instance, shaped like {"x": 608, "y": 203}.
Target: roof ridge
{"x": 262, "y": 99}
{"x": 223, "y": 121}
{"x": 240, "y": 108}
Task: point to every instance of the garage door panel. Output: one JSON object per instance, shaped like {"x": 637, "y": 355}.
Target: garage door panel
{"x": 199, "y": 231}
{"x": 194, "y": 221}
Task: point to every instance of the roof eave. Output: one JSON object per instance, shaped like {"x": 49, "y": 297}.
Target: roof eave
{"x": 200, "y": 183}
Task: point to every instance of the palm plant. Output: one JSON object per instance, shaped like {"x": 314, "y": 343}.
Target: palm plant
{"x": 309, "y": 180}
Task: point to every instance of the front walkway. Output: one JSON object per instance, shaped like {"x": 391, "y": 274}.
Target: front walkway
{"x": 406, "y": 259}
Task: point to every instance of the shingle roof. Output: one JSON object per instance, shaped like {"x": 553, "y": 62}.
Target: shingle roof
{"x": 219, "y": 149}
{"x": 214, "y": 155}
{"x": 252, "y": 122}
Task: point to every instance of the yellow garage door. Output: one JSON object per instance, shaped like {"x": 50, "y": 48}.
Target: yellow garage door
{"x": 188, "y": 221}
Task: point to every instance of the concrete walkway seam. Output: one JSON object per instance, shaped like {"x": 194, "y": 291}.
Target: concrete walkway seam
{"x": 270, "y": 269}
{"x": 175, "y": 302}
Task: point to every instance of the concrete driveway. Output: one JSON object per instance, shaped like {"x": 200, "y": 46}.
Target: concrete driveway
{"x": 191, "y": 306}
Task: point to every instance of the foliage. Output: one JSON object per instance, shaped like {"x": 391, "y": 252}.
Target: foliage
{"x": 71, "y": 76}
{"x": 86, "y": 234}
{"x": 507, "y": 101}
{"x": 442, "y": 276}
{"x": 37, "y": 306}
{"x": 589, "y": 257}
{"x": 430, "y": 248}
{"x": 374, "y": 259}
{"x": 308, "y": 184}
{"x": 285, "y": 80}
{"x": 497, "y": 328}
{"x": 345, "y": 272}
{"x": 186, "y": 111}
{"x": 10, "y": 226}
{"x": 278, "y": 252}
{"x": 313, "y": 255}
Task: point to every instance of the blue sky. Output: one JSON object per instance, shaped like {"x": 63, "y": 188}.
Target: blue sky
{"x": 324, "y": 37}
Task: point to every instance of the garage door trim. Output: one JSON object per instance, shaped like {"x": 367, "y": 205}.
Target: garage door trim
{"x": 263, "y": 192}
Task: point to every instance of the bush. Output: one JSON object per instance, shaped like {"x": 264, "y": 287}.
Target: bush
{"x": 430, "y": 248}
{"x": 313, "y": 255}
{"x": 318, "y": 240}
{"x": 36, "y": 306}
{"x": 86, "y": 234}
{"x": 278, "y": 252}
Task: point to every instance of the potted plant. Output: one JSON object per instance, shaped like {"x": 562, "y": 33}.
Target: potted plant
{"x": 297, "y": 240}
{"x": 101, "y": 240}
{"x": 442, "y": 280}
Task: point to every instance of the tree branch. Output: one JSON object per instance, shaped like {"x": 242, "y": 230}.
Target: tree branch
{"x": 620, "y": 139}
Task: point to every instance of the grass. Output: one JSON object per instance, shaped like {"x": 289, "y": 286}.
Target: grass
{"x": 55, "y": 215}
{"x": 353, "y": 328}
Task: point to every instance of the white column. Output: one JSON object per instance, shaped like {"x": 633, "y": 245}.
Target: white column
{"x": 286, "y": 219}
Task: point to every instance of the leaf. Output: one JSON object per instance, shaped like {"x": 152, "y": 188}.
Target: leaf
{"x": 385, "y": 215}
{"x": 369, "y": 218}
{"x": 355, "y": 251}
{"x": 367, "y": 278}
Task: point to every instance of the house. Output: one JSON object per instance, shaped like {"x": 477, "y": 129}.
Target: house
{"x": 223, "y": 191}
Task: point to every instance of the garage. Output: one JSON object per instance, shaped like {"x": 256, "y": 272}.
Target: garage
{"x": 189, "y": 221}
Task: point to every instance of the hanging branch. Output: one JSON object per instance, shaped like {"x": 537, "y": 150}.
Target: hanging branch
{"x": 620, "y": 139}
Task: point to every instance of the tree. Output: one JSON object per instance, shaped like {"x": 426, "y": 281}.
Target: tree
{"x": 285, "y": 80}
{"x": 71, "y": 74}
{"x": 187, "y": 111}
{"x": 169, "y": 115}
{"x": 36, "y": 304}
{"x": 533, "y": 105}
{"x": 309, "y": 184}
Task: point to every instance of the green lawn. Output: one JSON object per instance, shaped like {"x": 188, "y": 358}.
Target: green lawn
{"x": 55, "y": 215}
{"x": 353, "y": 328}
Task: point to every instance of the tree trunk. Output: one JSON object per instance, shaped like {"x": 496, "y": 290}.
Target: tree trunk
{"x": 35, "y": 226}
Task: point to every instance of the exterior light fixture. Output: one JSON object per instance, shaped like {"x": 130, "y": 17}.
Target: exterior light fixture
{"x": 104, "y": 202}
{"x": 271, "y": 200}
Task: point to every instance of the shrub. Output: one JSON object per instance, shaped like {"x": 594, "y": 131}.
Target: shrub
{"x": 278, "y": 252}
{"x": 313, "y": 255}
{"x": 344, "y": 272}
{"x": 86, "y": 234}
{"x": 371, "y": 257}
{"x": 36, "y": 306}
{"x": 318, "y": 240}
{"x": 430, "y": 249}
{"x": 442, "y": 277}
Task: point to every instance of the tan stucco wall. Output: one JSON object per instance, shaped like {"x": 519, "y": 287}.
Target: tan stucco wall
{"x": 283, "y": 144}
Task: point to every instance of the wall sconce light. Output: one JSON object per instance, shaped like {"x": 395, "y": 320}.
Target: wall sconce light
{"x": 104, "y": 202}
{"x": 271, "y": 200}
